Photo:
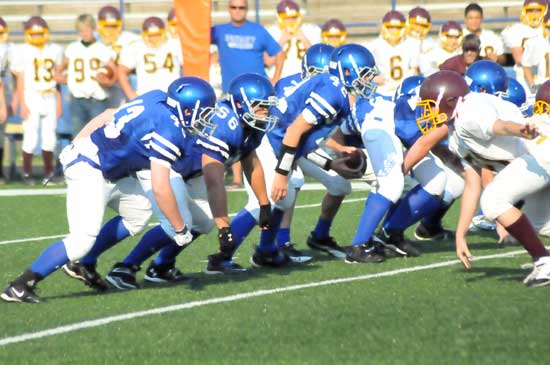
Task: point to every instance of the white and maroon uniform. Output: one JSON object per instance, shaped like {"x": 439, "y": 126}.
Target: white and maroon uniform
{"x": 536, "y": 55}
{"x": 37, "y": 66}
{"x": 429, "y": 62}
{"x": 515, "y": 36}
{"x": 395, "y": 62}
{"x": 491, "y": 43}
{"x": 84, "y": 63}
{"x": 156, "y": 68}
{"x": 294, "y": 49}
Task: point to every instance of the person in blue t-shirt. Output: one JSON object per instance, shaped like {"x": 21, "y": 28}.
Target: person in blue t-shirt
{"x": 241, "y": 46}
{"x": 150, "y": 132}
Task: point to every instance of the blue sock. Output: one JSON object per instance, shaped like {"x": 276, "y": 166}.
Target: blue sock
{"x": 417, "y": 204}
{"x": 283, "y": 236}
{"x": 112, "y": 232}
{"x": 375, "y": 209}
{"x": 267, "y": 237}
{"x": 241, "y": 226}
{"x": 322, "y": 228}
{"x": 152, "y": 241}
{"x": 171, "y": 250}
{"x": 51, "y": 259}
{"x": 433, "y": 220}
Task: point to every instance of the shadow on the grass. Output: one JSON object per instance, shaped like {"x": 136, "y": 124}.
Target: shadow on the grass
{"x": 199, "y": 280}
{"x": 499, "y": 273}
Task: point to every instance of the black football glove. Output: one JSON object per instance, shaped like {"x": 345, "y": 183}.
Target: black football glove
{"x": 265, "y": 216}
{"x": 227, "y": 243}
{"x": 340, "y": 166}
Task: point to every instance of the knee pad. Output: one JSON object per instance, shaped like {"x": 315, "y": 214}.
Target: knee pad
{"x": 493, "y": 203}
{"x": 78, "y": 245}
{"x": 137, "y": 222}
{"x": 391, "y": 187}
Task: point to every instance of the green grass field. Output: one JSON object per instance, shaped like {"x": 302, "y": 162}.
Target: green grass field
{"x": 425, "y": 310}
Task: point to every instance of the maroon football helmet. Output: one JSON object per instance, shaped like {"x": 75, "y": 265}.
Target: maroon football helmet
{"x": 532, "y": 12}
{"x": 419, "y": 23}
{"x": 289, "y": 16}
{"x": 542, "y": 99}
{"x": 153, "y": 31}
{"x": 393, "y": 27}
{"x": 450, "y": 36}
{"x": 37, "y": 32}
{"x": 4, "y": 30}
{"x": 438, "y": 96}
{"x": 334, "y": 33}
{"x": 109, "y": 24}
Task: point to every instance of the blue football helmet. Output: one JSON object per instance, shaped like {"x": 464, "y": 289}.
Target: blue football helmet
{"x": 316, "y": 59}
{"x": 408, "y": 86}
{"x": 516, "y": 94}
{"x": 487, "y": 76}
{"x": 355, "y": 67}
{"x": 249, "y": 91}
{"x": 193, "y": 101}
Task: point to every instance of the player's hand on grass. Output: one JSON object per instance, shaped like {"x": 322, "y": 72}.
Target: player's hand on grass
{"x": 463, "y": 253}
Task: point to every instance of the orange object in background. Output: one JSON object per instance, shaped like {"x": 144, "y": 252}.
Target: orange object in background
{"x": 193, "y": 27}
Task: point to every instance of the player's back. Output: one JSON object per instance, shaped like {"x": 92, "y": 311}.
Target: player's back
{"x": 286, "y": 84}
{"x": 374, "y": 113}
{"x": 141, "y": 129}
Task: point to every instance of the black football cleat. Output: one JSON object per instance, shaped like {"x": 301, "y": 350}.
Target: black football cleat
{"x": 273, "y": 259}
{"x": 19, "y": 293}
{"x": 218, "y": 264}
{"x": 423, "y": 233}
{"x": 85, "y": 273}
{"x": 395, "y": 245}
{"x": 166, "y": 273}
{"x": 123, "y": 277}
{"x": 363, "y": 254}
{"x": 326, "y": 244}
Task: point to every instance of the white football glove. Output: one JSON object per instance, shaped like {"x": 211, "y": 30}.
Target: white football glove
{"x": 183, "y": 237}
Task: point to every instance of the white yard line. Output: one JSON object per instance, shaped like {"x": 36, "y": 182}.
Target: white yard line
{"x": 32, "y": 239}
{"x": 231, "y": 298}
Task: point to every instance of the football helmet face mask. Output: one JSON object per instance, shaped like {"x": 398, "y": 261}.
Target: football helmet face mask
{"x": 439, "y": 94}
{"x": 172, "y": 23}
{"x": 334, "y": 33}
{"x": 419, "y": 23}
{"x": 355, "y": 67}
{"x": 289, "y": 17}
{"x": 316, "y": 59}
{"x": 516, "y": 94}
{"x": 532, "y": 12}
{"x": 153, "y": 31}
{"x": 450, "y": 36}
{"x": 408, "y": 86}
{"x": 37, "y": 32}
{"x": 4, "y": 30}
{"x": 487, "y": 77}
{"x": 247, "y": 93}
{"x": 193, "y": 101}
{"x": 542, "y": 99}
{"x": 109, "y": 24}
{"x": 393, "y": 27}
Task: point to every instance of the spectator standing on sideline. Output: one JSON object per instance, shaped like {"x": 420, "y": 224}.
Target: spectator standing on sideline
{"x": 491, "y": 47}
{"x": 86, "y": 59}
{"x": 470, "y": 53}
{"x": 241, "y": 46}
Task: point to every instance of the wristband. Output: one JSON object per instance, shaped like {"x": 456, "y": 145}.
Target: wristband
{"x": 184, "y": 230}
{"x": 321, "y": 161}
{"x": 286, "y": 160}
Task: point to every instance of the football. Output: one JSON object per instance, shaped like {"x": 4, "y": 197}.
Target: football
{"x": 355, "y": 159}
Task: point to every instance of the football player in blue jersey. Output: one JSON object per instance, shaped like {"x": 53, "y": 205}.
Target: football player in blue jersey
{"x": 307, "y": 114}
{"x": 235, "y": 132}
{"x": 149, "y": 132}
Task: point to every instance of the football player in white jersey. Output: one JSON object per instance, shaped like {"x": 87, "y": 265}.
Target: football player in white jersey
{"x": 34, "y": 66}
{"x": 111, "y": 34}
{"x": 535, "y": 60}
{"x": 450, "y": 37}
{"x": 334, "y": 33}
{"x": 492, "y": 47}
{"x": 485, "y": 131}
{"x": 395, "y": 58}
{"x": 4, "y": 56}
{"x": 293, "y": 35}
{"x": 90, "y": 72}
{"x": 419, "y": 23}
{"x": 515, "y": 36}
{"x": 156, "y": 59}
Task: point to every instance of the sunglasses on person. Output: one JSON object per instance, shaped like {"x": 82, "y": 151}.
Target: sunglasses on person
{"x": 233, "y": 7}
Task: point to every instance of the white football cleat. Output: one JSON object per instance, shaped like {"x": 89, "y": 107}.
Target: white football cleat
{"x": 540, "y": 276}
